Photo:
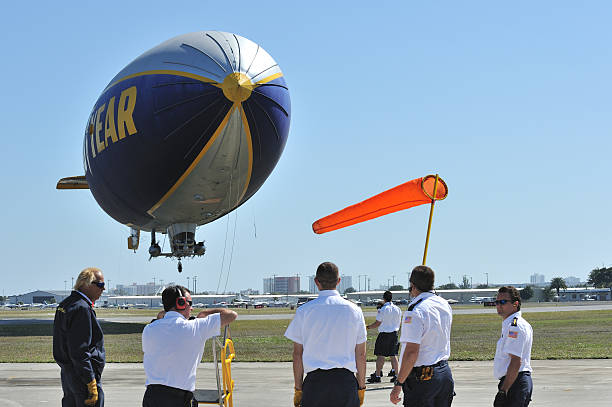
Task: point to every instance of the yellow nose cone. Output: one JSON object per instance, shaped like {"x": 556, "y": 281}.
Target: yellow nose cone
{"x": 237, "y": 87}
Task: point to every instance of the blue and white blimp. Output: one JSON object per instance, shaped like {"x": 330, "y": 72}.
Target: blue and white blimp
{"x": 184, "y": 134}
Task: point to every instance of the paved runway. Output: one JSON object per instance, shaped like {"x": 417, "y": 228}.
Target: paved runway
{"x": 556, "y": 382}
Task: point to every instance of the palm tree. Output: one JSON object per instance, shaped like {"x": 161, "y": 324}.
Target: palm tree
{"x": 557, "y": 283}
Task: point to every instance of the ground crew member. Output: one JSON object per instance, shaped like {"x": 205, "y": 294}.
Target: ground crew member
{"x": 424, "y": 376}
{"x": 173, "y": 347}
{"x": 512, "y": 363}
{"x": 78, "y": 342}
{"x": 329, "y": 345}
{"x": 387, "y": 321}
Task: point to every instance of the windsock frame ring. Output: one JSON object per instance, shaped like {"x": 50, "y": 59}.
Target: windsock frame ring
{"x": 425, "y": 178}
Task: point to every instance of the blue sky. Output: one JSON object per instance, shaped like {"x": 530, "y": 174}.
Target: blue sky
{"x": 508, "y": 101}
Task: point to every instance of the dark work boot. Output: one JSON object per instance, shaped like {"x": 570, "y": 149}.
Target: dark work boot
{"x": 373, "y": 378}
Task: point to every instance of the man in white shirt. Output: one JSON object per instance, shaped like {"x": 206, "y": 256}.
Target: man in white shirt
{"x": 424, "y": 375}
{"x": 173, "y": 347}
{"x": 512, "y": 362}
{"x": 329, "y": 345}
{"x": 388, "y": 321}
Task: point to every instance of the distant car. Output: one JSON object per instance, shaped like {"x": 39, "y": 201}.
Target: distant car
{"x": 303, "y": 300}
{"x": 277, "y": 304}
{"x": 217, "y": 305}
{"x": 240, "y": 304}
{"x": 356, "y": 302}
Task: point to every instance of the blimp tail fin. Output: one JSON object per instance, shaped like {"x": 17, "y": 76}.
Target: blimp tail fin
{"x": 78, "y": 182}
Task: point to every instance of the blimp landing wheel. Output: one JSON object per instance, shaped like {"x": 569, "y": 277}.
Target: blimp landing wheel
{"x": 180, "y": 266}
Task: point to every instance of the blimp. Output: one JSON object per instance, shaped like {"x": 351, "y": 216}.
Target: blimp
{"x": 183, "y": 135}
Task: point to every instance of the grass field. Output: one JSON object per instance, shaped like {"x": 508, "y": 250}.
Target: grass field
{"x": 557, "y": 335}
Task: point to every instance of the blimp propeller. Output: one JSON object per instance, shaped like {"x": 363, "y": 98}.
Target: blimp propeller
{"x": 184, "y": 134}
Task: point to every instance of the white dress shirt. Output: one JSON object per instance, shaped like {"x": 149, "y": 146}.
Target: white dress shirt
{"x": 173, "y": 348}
{"x": 515, "y": 340}
{"x": 328, "y": 327}
{"x": 390, "y": 317}
{"x": 429, "y": 325}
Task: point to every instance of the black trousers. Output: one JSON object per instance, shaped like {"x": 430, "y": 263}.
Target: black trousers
{"x": 436, "y": 392}
{"x": 75, "y": 392}
{"x": 330, "y": 388}
{"x": 158, "y": 395}
{"x": 519, "y": 394}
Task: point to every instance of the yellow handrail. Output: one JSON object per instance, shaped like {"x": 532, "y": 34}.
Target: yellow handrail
{"x": 226, "y": 371}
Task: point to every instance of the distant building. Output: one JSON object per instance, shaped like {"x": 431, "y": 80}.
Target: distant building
{"x": 312, "y": 287}
{"x": 585, "y": 294}
{"x": 571, "y": 281}
{"x": 283, "y": 285}
{"x": 138, "y": 289}
{"x": 345, "y": 282}
{"x": 249, "y": 291}
{"x": 537, "y": 279}
{"x": 39, "y": 297}
{"x": 465, "y": 296}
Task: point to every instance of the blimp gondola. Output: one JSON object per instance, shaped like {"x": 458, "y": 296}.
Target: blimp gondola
{"x": 184, "y": 134}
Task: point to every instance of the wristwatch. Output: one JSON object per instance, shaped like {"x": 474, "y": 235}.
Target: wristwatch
{"x": 398, "y": 383}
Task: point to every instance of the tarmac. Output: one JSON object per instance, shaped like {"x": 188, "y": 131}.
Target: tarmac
{"x": 585, "y": 382}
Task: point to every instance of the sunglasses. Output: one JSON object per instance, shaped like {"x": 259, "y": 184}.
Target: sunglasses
{"x": 100, "y": 284}
{"x": 501, "y": 302}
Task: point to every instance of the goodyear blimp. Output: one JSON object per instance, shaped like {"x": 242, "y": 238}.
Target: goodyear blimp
{"x": 184, "y": 134}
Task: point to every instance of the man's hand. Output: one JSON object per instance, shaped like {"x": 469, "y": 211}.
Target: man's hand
{"x": 361, "y": 393}
{"x": 92, "y": 388}
{"x": 297, "y": 398}
{"x": 500, "y": 399}
{"x": 395, "y": 394}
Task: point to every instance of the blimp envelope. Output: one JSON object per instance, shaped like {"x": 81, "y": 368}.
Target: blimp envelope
{"x": 187, "y": 132}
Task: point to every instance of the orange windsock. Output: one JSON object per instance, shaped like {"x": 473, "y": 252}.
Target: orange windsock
{"x": 413, "y": 193}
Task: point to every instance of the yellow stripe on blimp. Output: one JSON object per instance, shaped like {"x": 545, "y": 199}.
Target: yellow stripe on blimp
{"x": 164, "y": 72}
{"x": 195, "y": 162}
{"x": 269, "y": 78}
{"x": 247, "y": 130}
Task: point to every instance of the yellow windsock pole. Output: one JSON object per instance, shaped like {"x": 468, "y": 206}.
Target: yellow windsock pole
{"x": 433, "y": 201}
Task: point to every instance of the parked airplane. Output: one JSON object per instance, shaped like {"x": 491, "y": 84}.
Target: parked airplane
{"x": 479, "y": 300}
{"x": 184, "y": 134}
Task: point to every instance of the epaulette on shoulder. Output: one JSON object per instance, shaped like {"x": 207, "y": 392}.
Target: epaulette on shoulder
{"x": 514, "y": 321}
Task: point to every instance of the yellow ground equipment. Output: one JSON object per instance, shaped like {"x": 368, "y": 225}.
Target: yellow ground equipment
{"x": 223, "y": 395}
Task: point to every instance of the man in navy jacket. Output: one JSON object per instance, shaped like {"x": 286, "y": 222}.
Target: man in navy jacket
{"x": 78, "y": 342}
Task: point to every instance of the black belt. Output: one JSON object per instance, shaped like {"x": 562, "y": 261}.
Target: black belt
{"x": 173, "y": 390}
{"x": 425, "y": 373}
{"x": 439, "y": 364}
{"x": 335, "y": 369}
{"x": 523, "y": 373}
